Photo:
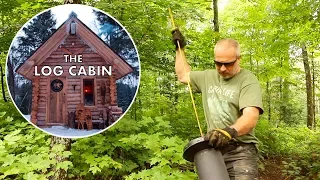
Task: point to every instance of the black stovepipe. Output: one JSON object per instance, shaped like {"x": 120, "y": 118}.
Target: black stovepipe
{"x": 209, "y": 162}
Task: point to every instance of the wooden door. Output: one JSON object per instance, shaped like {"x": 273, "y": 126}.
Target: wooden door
{"x": 57, "y": 101}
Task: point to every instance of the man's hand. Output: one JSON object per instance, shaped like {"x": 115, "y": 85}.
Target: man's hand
{"x": 218, "y": 138}
{"x": 177, "y": 36}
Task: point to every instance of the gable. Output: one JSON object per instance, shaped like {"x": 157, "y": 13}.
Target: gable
{"x": 86, "y": 43}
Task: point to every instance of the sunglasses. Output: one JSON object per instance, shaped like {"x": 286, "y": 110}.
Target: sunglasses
{"x": 227, "y": 64}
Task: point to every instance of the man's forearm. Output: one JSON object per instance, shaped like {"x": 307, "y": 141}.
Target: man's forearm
{"x": 182, "y": 68}
{"x": 247, "y": 121}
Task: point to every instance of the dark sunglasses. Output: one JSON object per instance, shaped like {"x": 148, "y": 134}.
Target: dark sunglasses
{"x": 228, "y": 64}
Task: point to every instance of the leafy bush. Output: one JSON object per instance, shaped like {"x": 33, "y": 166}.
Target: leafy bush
{"x": 23, "y": 149}
{"x": 144, "y": 149}
{"x": 299, "y": 145}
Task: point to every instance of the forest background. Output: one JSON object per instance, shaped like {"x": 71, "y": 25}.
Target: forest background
{"x": 280, "y": 45}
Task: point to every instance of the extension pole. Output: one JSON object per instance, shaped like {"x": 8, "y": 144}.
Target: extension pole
{"x": 189, "y": 86}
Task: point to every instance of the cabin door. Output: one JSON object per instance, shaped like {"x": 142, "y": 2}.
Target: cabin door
{"x": 57, "y": 101}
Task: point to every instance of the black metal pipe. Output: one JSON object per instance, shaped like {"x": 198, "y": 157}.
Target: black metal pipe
{"x": 209, "y": 162}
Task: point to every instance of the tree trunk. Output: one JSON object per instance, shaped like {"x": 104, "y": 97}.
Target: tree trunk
{"x": 11, "y": 80}
{"x": 310, "y": 106}
{"x": 2, "y": 84}
{"x": 59, "y": 174}
{"x": 215, "y": 15}
{"x": 313, "y": 93}
{"x": 280, "y": 98}
{"x": 285, "y": 101}
{"x": 269, "y": 101}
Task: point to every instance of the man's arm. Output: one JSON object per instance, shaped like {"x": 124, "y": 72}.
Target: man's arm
{"x": 247, "y": 121}
{"x": 220, "y": 137}
{"x": 182, "y": 68}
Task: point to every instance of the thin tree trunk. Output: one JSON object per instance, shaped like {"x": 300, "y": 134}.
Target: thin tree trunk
{"x": 285, "y": 100}
{"x": 281, "y": 90}
{"x": 11, "y": 79}
{"x": 139, "y": 108}
{"x": 281, "y": 95}
{"x": 2, "y": 84}
{"x": 310, "y": 115}
{"x": 134, "y": 112}
{"x": 313, "y": 93}
{"x": 2, "y": 74}
{"x": 269, "y": 101}
{"x": 215, "y": 15}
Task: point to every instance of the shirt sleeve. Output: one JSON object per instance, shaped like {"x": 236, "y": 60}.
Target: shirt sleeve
{"x": 197, "y": 79}
{"x": 250, "y": 95}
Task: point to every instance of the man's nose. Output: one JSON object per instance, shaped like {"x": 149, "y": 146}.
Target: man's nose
{"x": 223, "y": 68}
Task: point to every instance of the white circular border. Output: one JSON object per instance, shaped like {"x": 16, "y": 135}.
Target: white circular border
{"x": 132, "y": 101}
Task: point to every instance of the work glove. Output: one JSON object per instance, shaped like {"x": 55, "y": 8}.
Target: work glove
{"x": 218, "y": 138}
{"x": 176, "y": 35}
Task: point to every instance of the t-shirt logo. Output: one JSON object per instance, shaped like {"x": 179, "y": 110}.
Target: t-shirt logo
{"x": 218, "y": 104}
{"x": 221, "y": 91}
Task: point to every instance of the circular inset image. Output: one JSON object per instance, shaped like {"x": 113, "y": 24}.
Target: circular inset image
{"x": 73, "y": 71}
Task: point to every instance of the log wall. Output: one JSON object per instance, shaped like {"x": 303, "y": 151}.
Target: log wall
{"x": 74, "y": 84}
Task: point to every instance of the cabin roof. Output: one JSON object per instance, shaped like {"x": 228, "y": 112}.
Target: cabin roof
{"x": 119, "y": 65}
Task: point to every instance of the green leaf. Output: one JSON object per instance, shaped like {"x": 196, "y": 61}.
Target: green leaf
{"x": 31, "y": 176}
{"x": 66, "y": 154}
{"x": 2, "y": 114}
{"x": 12, "y": 171}
{"x": 8, "y": 160}
{"x": 94, "y": 169}
{"x": 155, "y": 160}
{"x": 8, "y": 119}
{"x": 169, "y": 142}
{"x": 65, "y": 165}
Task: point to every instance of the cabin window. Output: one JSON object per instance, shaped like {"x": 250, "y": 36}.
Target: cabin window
{"x": 73, "y": 28}
{"x": 88, "y": 91}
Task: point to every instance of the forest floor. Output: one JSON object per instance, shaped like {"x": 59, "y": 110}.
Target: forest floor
{"x": 272, "y": 169}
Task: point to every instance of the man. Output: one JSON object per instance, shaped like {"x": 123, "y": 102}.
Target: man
{"x": 232, "y": 103}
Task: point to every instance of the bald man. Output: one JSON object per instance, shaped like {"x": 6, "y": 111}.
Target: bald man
{"x": 232, "y": 104}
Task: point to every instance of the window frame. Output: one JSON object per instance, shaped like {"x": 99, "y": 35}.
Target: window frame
{"x": 94, "y": 91}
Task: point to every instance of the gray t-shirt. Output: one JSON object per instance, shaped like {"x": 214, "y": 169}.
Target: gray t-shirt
{"x": 223, "y": 100}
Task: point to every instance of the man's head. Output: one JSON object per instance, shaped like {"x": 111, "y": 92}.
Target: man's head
{"x": 227, "y": 57}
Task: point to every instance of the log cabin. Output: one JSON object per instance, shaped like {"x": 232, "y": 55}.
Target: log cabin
{"x": 64, "y": 74}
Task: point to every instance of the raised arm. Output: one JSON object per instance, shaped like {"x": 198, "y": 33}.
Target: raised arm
{"x": 182, "y": 68}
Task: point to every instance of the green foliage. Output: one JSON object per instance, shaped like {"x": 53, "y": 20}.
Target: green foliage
{"x": 135, "y": 149}
{"x": 300, "y": 144}
{"x": 24, "y": 149}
